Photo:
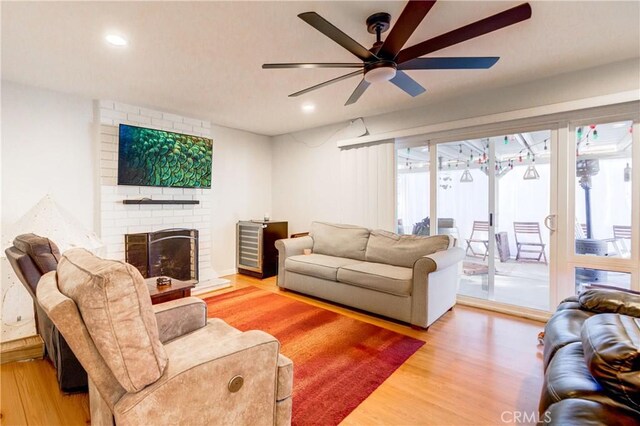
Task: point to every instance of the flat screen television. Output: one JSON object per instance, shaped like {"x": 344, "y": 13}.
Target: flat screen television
{"x": 149, "y": 157}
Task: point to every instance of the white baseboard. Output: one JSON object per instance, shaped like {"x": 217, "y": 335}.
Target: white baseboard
{"x": 225, "y": 272}
{"x": 210, "y": 285}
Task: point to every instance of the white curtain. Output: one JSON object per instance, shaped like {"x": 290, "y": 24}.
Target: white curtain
{"x": 367, "y": 176}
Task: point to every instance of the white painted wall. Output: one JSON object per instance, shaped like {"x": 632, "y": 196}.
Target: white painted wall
{"x": 306, "y": 165}
{"x": 242, "y": 189}
{"x": 49, "y": 145}
{"x": 46, "y": 149}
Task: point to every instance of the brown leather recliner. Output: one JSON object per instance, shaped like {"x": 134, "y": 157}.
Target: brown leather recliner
{"x": 592, "y": 360}
{"x": 32, "y": 256}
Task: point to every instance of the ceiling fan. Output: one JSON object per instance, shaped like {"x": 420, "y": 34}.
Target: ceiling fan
{"x": 387, "y": 60}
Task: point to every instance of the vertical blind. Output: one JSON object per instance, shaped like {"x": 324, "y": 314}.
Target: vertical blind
{"x": 367, "y": 180}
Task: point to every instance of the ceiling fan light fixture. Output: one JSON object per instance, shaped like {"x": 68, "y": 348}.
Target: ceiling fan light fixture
{"x": 381, "y": 73}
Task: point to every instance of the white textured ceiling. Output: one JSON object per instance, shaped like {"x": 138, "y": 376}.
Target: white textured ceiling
{"x": 204, "y": 58}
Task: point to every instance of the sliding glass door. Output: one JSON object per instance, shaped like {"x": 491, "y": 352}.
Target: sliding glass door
{"x": 540, "y": 213}
{"x": 494, "y": 196}
{"x": 603, "y": 203}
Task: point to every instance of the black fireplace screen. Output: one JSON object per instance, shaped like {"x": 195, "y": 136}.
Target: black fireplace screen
{"x": 170, "y": 252}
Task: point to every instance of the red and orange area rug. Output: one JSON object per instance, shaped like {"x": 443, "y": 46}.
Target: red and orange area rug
{"x": 338, "y": 361}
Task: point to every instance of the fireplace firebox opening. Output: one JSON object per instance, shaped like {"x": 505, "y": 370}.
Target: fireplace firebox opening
{"x": 169, "y": 252}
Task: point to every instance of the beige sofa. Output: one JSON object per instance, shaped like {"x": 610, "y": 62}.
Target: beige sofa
{"x": 161, "y": 366}
{"x": 409, "y": 278}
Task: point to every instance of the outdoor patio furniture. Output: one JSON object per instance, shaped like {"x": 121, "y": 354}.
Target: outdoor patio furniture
{"x": 621, "y": 233}
{"x": 502, "y": 245}
{"x": 583, "y": 231}
{"x": 529, "y": 231}
{"x": 482, "y": 228}
{"x": 446, "y": 226}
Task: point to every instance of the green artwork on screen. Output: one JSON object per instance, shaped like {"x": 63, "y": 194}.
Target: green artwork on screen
{"x": 149, "y": 157}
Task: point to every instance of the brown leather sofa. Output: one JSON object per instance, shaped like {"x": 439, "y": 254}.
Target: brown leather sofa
{"x": 592, "y": 360}
{"x": 32, "y": 256}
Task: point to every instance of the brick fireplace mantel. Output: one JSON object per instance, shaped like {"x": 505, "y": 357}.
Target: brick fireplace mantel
{"x": 118, "y": 219}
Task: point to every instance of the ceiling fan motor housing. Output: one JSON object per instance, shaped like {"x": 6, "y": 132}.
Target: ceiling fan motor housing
{"x": 380, "y": 71}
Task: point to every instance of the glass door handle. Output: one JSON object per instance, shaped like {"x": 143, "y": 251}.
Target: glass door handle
{"x": 550, "y": 222}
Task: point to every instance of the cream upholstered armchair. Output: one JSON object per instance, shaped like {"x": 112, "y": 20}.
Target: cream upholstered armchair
{"x": 167, "y": 365}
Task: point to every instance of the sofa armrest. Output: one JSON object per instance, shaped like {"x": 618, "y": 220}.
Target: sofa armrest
{"x": 290, "y": 247}
{"x": 179, "y": 317}
{"x": 435, "y": 285}
{"x": 444, "y": 259}
{"x": 195, "y": 387}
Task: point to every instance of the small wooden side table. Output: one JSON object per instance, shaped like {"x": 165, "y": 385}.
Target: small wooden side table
{"x": 177, "y": 290}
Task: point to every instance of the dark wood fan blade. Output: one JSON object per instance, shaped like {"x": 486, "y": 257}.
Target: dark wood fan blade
{"x": 449, "y": 63}
{"x": 313, "y": 65}
{"x": 413, "y": 13}
{"x": 328, "y": 29}
{"x": 326, "y": 83}
{"x": 358, "y": 92}
{"x": 406, "y": 83}
{"x": 476, "y": 29}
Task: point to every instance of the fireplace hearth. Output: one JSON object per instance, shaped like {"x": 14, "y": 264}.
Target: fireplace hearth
{"x": 169, "y": 252}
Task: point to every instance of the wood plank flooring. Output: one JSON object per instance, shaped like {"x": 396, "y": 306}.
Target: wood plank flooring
{"x": 475, "y": 366}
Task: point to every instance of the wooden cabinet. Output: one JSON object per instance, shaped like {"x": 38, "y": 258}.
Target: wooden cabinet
{"x": 256, "y": 253}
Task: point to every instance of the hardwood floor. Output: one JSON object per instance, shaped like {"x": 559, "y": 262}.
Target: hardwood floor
{"x": 477, "y": 368}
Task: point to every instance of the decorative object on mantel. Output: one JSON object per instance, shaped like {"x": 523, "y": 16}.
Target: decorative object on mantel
{"x": 361, "y": 355}
{"x": 150, "y": 201}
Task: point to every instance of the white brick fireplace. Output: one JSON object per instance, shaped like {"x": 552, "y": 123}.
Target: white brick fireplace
{"x": 118, "y": 219}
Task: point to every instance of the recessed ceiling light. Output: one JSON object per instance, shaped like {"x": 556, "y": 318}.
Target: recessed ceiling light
{"x": 308, "y": 108}
{"x": 116, "y": 40}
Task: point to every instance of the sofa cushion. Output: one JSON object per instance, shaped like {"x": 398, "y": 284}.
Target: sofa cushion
{"x": 612, "y": 352}
{"x": 561, "y": 329}
{"x": 581, "y": 412}
{"x": 378, "y": 276}
{"x": 568, "y": 377}
{"x": 114, "y": 302}
{"x": 339, "y": 240}
{"x": 403, "y": 250}
{"x": 317, "y": 265}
